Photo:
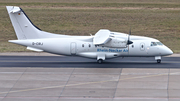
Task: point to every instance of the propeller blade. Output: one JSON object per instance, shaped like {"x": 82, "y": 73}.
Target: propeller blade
{"x": 129, "y": 42}
{"x": 130, "y": 31}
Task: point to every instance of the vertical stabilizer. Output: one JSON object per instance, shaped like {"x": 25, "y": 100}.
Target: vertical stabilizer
{"x": 23, "y": 26}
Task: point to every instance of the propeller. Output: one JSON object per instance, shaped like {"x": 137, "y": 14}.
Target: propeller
{"x": 129, "y": 42}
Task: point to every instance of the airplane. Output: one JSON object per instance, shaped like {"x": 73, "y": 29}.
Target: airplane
{"x": 105, "y": 44}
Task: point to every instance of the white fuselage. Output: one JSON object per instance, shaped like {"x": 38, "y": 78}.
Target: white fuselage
{"x": 83, "y": 46}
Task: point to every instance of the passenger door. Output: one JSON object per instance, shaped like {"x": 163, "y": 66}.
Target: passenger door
{"x": 73, "y": 48}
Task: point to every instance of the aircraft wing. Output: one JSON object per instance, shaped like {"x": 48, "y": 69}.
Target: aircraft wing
{"x": 106, "y": 38}
{"x": 102, "y": 37}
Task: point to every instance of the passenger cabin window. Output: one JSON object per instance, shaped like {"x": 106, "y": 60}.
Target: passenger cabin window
{"x": 142, "y": 46}
{"x": 132, "y": 46}
{"x": 156, "y": 44}
{"x": 89, "y": 45}
{"x": 82, "y": 45}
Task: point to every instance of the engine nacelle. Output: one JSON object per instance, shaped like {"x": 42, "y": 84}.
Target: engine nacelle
{"x": 116, "y": 43}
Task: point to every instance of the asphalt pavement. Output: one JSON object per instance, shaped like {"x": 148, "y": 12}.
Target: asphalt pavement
{"x": 79, "y": 62}
{"x": 63, "y": 78}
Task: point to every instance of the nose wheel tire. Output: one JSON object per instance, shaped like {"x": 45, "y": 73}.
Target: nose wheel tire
{"x": 158, "y": 61}
{"x": 99, "y": 61}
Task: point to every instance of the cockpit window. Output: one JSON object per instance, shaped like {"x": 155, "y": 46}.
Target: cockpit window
{"x": 153, "y": 44}
{"x": 159, "y": 43}
{"x": 156, "y": 43}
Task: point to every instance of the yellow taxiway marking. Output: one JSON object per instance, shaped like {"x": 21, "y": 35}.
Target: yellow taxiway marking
{"x": 87, "y": 83}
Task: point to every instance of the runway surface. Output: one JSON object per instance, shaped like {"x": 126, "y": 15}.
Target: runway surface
{"x": 79, "y": 62}
{"x": 61, "y": 78}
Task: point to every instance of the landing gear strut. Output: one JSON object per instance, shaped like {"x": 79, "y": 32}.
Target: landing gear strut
{"x": 99, "y": 61}
{"x": 159, "y": 61}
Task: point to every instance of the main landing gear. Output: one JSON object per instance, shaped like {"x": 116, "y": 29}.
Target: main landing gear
{"x": 158, "y": 59}
{"x": 100, "y": 58}
{"x": 99, "y": 61}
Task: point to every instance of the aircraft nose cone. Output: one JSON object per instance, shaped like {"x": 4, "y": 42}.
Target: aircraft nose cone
{"x": 168, "y": 51}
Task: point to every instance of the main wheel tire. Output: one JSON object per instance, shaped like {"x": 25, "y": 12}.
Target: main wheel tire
{"x": 158, "y": 61}
{"x": 100, "y": 61}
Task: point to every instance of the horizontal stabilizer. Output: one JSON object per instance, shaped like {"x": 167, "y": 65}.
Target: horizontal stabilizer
{"x": 15, "y": 10}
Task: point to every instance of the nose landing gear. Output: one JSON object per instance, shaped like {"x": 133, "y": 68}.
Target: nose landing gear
{"x": 158, "y": 59}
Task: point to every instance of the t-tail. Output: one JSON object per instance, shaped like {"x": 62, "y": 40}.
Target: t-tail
{"x": 23, "y": 26}
{"x": 27, "y": 33}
